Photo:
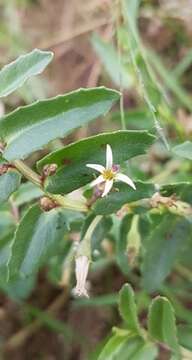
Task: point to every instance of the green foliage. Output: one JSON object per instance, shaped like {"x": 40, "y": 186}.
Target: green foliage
{"x": 72, "y": 172}
{"x": 128, "y": 310}
{"x": 123, "y": 194}
{"x": 14, "y": 75}
{"x": 142, "y": 234}
{"x": 136, "y": 341}
{"x": 184, "y": 150}
{"x": 165, "y": 242}
{"x": 9, "y": 183}
{"x": 29, "y": 128}
{"x": 109, "y": 57}
{"x": 162, "y": 325}
{"x": 37, "y": 236}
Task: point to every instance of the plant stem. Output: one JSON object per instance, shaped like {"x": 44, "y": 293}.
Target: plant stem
{"x": 68, "y": 203}
{"x": 28, "y": 173}
{"x": 117, "y": 24}
{"x": 36, "y": 179}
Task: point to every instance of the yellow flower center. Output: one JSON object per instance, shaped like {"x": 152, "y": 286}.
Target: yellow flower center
{"x": 108, "y": 174}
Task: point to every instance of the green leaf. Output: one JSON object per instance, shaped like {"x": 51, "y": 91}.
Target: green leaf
{"x": 26, "y": 193}
{"x": 29, "y": 128}
{"x": 137, "y": 119}
{"x": 170, "y": 80}
{"x": 9, "y": 182}
{"x": 161, "y": 323}
{"x": 13, "y": 75}
{"x": 72, "y": 172}
{"x": 183, "y": 190}
{"x": 120, "y": 347}
{"x": 147, "y": 351}
{"x": 101, "y": 231}
{"x": 20, "y": 289}
{"x": 6, "y": 224}
{"x": 121, "y": 244}
{"x": 109, "y": 58}
{"x": 185, "y": 336}
{"x": 37, "y": 237}
{"x": 125, "y": 348}
{"x": 122, "y": 194}
{"x": 5, "y": 251}
{"x": 128, "y": 309}
{"x": 163, "y": 246}
{"x": 7, "y": 227}
{"x": 184, "y": 150}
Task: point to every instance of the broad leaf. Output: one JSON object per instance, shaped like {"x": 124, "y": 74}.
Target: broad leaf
{"x": 122, "y": 194}
{"x": 161, "y": 323}
{"x": 128, "y": 309}
{"x": 6, "y": 224}
{"x": 184, "y": 150}
{"x": 31, "y": 127}
{"x": 13, "y": 75}
{"x": 72, "y": 172}
{"x": 26, "y": 193}
{"x": 37, "y": 237}
{"x": 9, "y": 182}
{"x": 164, "y": 244}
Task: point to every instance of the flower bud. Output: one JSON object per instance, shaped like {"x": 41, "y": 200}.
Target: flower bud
{"x": 47, "y": 204}
{"x": 81, "y": 271}
{"x": 49, "y": 169}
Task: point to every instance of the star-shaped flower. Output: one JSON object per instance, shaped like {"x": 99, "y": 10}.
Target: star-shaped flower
{"x": 109, "y": 174}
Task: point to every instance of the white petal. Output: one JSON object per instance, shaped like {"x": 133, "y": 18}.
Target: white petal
{"x": 125, "y": 179}
{"x": 108, "y": 186}
{"x": 81, "y": 272}
{"x": 97, "y": 181}
{"x": 109, "y": 157}
{"x": 97, "y": 167}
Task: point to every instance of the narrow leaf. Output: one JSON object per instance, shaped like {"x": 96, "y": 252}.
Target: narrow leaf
{"x": 161, "y": 323}
{"x": 109, "y": 58}
{"x": 128, "y": 309}
{"x": 13, "y": 75}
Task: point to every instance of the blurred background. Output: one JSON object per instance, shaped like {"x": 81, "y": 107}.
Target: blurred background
{"x": 91, "y": 48}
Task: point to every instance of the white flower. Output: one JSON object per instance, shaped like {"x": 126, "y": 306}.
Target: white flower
{"x": 81, "y": 271}
{"x": 109, "y": 174}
